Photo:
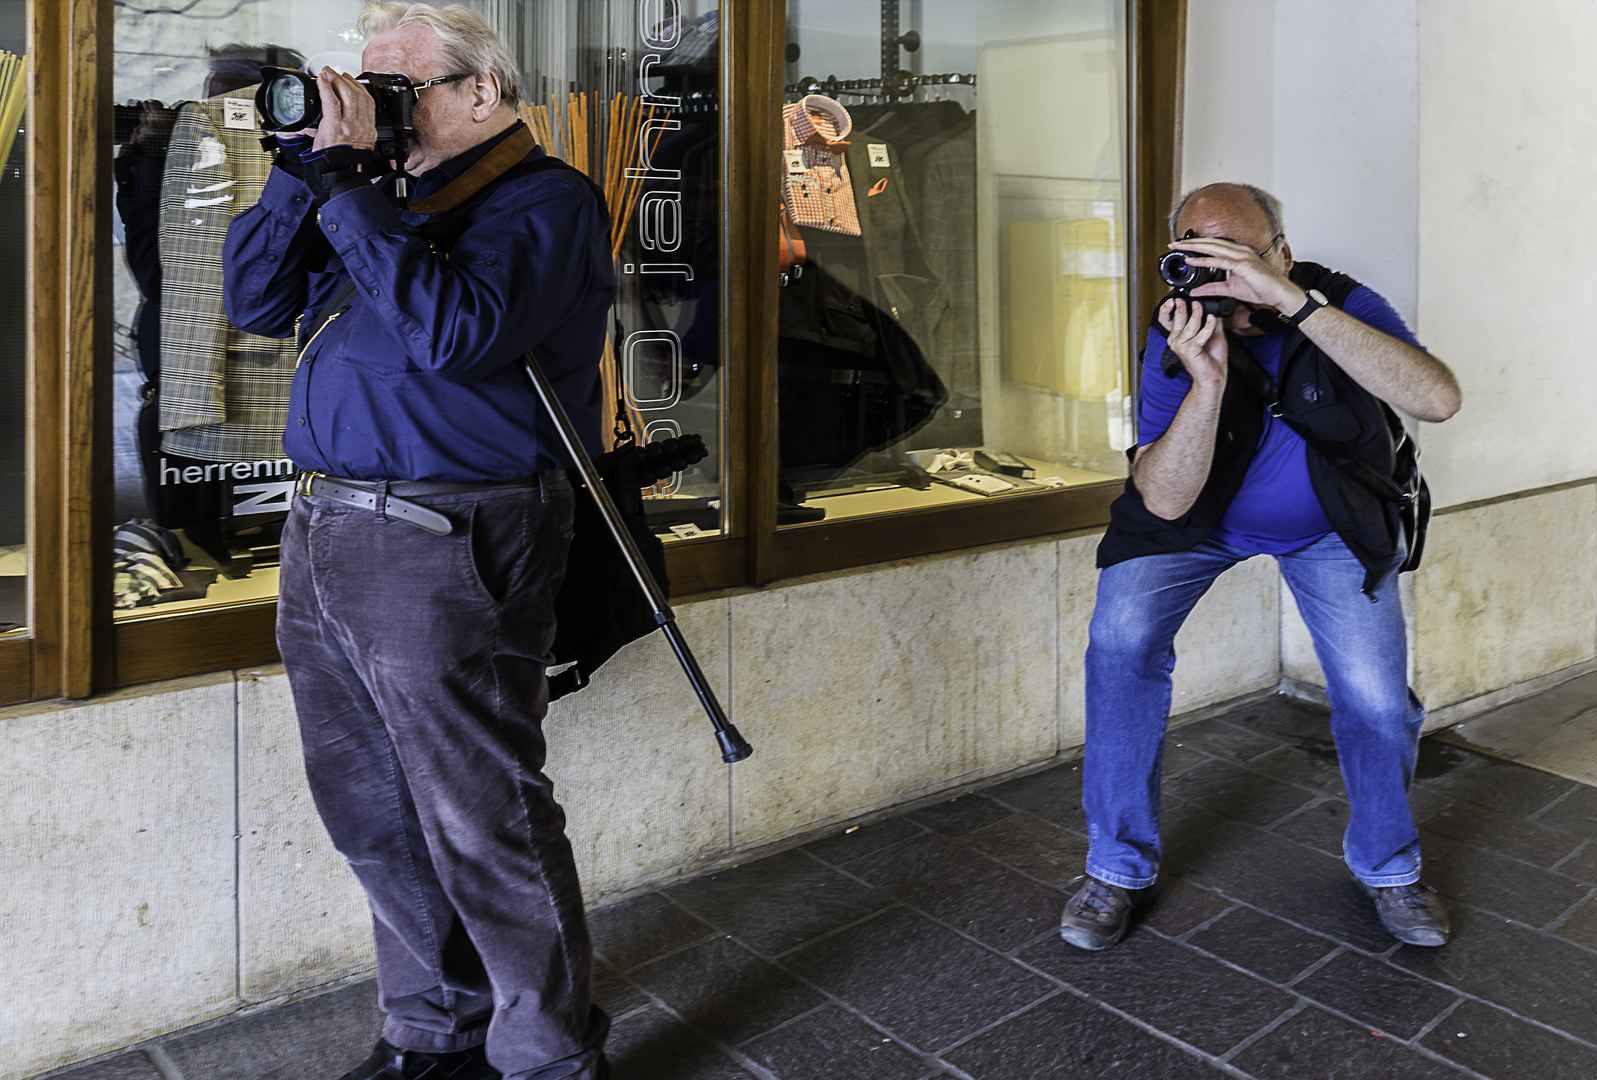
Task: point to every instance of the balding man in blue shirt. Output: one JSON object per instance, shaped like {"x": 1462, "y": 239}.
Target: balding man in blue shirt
{"x": 429, "y": 534}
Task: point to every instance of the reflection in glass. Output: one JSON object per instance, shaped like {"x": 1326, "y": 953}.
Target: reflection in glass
{"x": 954, "y": 326}
{"x": 13, "y": 320}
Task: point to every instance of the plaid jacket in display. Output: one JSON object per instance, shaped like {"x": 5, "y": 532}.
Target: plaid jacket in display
{"x": 224, "y": 393}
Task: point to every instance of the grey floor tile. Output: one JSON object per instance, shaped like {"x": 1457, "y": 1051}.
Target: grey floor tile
{"x": 1181, "y": 823}
{"x": 1295, "y": 883}
{"x": 1320, "y": 826}
{"x": 1314, "y": 1045}
{"x": 1512, "y": 890}
{"x": 1377, "y": 994}
{"x": 1225, "y": 789}
{"x": 956, "y": 817}
{"x": 1582, "y": 926}
{"x": 1583, "y": 864}
{"x": 640, "y": 929}
{"x": 1066, "y": 1037}
{"x": 613, "y": 994}
{"x": 1525, "y": 840}
{"x": 1182, "y": 906}
{"x": 928, "y": 985}
{"x": 1286, "y": 719}
{"x": 1262, "y": 944}
{"x": 1527, "y": 971}
{"x": 1495, "y": 785}
{"x": 1501, "y": 1046}
{"x": 129, "y": 1065}
{"x": 1053, "y": 795}
{"x": 322, "y": 1036}
{"x": 1197, "y": 999}
{"x": 957, "y": 885}
{"x": 725, "y": 991}
{"x": 1032, "y": 846}
{"x": 778, "y": 902}
{"x": 1576, "y": 814}
{"x": 844, "y": 846}
{"x": 1179, "y": 757}
{"x": 1305, "y": 768}
{"x": 1221, "y": 740}
{"x": 653, "y": 1045}
{"x": 828, "y": 1044}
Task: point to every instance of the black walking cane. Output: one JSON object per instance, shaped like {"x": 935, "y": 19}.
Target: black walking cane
{"x": 733, "y": 746}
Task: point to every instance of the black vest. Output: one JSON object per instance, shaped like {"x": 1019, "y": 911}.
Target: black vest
{"x": 1320, "y": 396}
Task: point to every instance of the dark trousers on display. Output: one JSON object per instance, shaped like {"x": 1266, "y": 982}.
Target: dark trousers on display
{"x": 417, "y": 667}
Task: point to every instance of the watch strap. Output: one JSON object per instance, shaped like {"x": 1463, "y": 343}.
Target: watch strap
{"x": 1313, "y": 301}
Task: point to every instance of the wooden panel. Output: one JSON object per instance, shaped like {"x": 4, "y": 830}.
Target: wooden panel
{"x": 810, "y": 549}
{"x": 16, "y": 671}
{"x": 1158, "y": 32}
{"x": 706, "y": 566}
{"x": 171, "y": 646}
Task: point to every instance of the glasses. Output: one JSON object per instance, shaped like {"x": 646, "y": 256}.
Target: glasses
{"x": 441, "y": 80}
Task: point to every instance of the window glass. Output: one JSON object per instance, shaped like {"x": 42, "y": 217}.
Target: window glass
{"x": 623, "y": 89}
{"x": 954, "y": 199}
{"x": 14, "y": 257}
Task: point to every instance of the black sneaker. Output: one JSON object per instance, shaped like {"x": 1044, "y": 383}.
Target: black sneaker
{"x": 388, "y": 1062}
{"x": 1098, "y": 915}
{"x": 1410, "y": 913}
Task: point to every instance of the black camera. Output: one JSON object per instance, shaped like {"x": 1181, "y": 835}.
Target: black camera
{"x": 288, "y": 100}
{"x": 1182, "y": 276}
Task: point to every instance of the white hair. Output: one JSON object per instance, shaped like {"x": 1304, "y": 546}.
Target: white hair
{"x": 470, "y": 44}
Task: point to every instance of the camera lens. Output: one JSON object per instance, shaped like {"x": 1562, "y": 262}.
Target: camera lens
{"x": 287, "y": 99}
{"x": 288, "y": 102}
{"x": 1174, "y": 270}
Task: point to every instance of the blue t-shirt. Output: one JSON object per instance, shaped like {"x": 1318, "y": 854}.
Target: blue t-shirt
{"x": 1275, "y": 510}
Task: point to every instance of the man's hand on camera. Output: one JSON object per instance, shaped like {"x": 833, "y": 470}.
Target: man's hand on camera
{"x": 1197, "y": 338}
{"x": 349, "y": 115}
{"x": 1253, "y": 279}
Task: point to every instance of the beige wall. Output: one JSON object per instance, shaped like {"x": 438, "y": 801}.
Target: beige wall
{"x": 164, "y": 864}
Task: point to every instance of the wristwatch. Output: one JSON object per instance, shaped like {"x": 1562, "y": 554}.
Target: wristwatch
{"x": 1316, "y": 300}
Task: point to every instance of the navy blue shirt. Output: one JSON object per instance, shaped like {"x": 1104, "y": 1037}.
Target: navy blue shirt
{"x": 422, "y": 379}
{"x": 1275, "y": 510}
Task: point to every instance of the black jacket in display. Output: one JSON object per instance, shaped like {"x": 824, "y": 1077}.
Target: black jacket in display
{"x": 1319, "y": 396}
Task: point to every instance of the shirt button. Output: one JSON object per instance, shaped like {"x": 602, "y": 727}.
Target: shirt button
{"x": 377, "y": 292}
{"x": 490, "y": 262}
{"x": 271, "y": 256}
{"x": 333, "y": 227}
{"x": 299, "y": 200}
{"x": 302, "y": 421}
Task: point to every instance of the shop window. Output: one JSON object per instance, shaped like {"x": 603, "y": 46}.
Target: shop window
{"x": 952, "y": 322}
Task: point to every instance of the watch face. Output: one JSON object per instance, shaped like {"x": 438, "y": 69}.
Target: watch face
{"x": 1318, "y": 297}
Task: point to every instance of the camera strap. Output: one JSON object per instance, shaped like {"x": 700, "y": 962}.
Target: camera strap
{"x": 484, "y": 171}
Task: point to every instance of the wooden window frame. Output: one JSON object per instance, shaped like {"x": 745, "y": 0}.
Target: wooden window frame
{"x": 76, "y": 647}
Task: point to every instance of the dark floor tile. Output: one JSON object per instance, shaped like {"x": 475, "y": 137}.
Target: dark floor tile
{"x": 1576, "y": 814}
{"x": 1296, "y": 883}
{"x": 830, "y": 1043}
{"x": 1320, "y": 826}
{"x": 1182, "y": 822}
{"x": 1032, "y": 846}
{"x": 613, "y": 993}
{"x": 1583, "y": 864}
{"x": 322, "y": 1036}
{"x": 1182, "y": 993}
{"x": 1066, "y": 1038}
{"x": 725, "y": 991}
{"x": 1223, "y": 788}
{"x": 1377, "y": 994}
{"x": 1053, "y": 795}
{"x": 1262, "y": 944}
{"x": 1495, "y": 1044}
{"x": 1311, "y": 768}
{"x": 927, "y": 984}
{"x": 1314, "y": 1045}
{"x": 957, "y": 885}
{"x": 1285, "y": 718}
{"x": 1527, "y": 971}
{"x": 956, "y": 817}
{"x": 1506, "y": 835}
{"x": 778, "y": 902}
{"x": 1582, "y": 926}
{"x": 1219, "y": 739}
{"x": 653, "y": 1045}
{"x": 1178, "y": 757}
{"x": 1496, "y": 785}
{"x": 1182, "y": 905}
{"x": 853, "y": 843}
{"x": 1512, "y": 890}
{"x": 131, "y": 1065}
{"x": 638, "y": 930}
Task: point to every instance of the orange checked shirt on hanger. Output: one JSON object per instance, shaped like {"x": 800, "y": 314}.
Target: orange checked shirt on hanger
{"x": 815, "y": 184}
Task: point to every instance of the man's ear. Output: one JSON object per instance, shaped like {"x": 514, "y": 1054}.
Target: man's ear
{"x": 484, "y": 96}
{"x": 1286, "y": 253}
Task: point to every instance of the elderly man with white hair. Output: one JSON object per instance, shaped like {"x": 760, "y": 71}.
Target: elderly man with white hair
{"x": 429, "y": 533}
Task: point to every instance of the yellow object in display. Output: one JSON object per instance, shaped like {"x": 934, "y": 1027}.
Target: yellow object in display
{"x": 1065, "y": 306}
{"x": 13, "y": 97}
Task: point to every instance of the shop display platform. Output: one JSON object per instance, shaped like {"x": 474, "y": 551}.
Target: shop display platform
{"x": 924, "y": 945}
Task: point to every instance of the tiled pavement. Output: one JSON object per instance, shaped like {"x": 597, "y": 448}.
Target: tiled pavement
{"x": 925, "y": 945}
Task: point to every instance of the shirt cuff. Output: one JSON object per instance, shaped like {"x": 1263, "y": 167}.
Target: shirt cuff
{"x": 353, "y": 215}
{"x": 285, "y": 195}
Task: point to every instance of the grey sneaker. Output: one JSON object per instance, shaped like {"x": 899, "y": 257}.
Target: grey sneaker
{"x": 1098, "y": 915}
{"x": 1410, "y": 913}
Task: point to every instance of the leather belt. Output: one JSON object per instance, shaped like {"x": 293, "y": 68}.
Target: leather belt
{"x": 388, "y": 499}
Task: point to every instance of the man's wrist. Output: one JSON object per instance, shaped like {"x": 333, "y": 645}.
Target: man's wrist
{"x": 1292, "y": 300}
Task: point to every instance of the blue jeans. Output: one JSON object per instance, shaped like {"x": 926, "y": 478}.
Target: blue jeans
{"x": 1375, "y": 718}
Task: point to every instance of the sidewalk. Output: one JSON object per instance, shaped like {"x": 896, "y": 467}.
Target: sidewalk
{"x": 925, "y": 945}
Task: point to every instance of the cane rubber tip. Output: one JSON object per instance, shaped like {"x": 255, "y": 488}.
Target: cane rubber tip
{"x": 733, "y": 746}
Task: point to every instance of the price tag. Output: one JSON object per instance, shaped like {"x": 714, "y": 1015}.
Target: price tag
{"x": 238, "y": 113}
{"x": 878, "y": 155}
{"x": 795, "y": 162}
{"x": 688, "y": 531}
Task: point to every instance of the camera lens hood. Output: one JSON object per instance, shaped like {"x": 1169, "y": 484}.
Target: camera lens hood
{"x": 287, "y": 99}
